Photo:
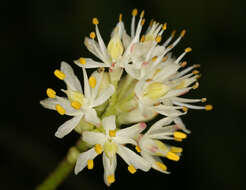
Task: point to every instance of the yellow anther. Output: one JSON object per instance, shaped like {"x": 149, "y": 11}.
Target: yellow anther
{"x": 82, "y": 61}
{"x": 90, "y": 164}
{"x": 158, "y": 39}
{"x": 179, "y": 135}
{"x": 111, "y": 179}
{"x": 134, "y": 12}
{"x": 142, "y": 38}
{"x": 198, "y": 76}
{"x": 131, "y": 169}
{"x": 92, "y": 82}
{"x": 120, "y": 17}
{"x": 173, "y": 33}
{"x": 196, "y": 66}
{"x": 60, "y": 75}
{"x": 182, "y": 33}
{"x": 208, "y": 107}
{"x": 172, "y": 156}
{"x": 92, "y": 35}
{"x": 151, "y": 22}
{"x": 196, "y": 85}
{"x": 112, "y": 133}
{"x": 162, "y": 166}
{"x": 142, "y": 22}
{"x": 203, "y": 99}
{"x": 98, "y": 148}
{"x": 185, "y": 109}
{"x": 50, "y": 93}
{"x": 175, "y": 149}
{"x": 178, "y": 139}
{"x": 76, "y": 105}
{"x": 195, "y": 72}
{"x": 164, "y": 27}
{"x": 60, "y": 109}
{"x": 154, "y": 58}
{"x": 142, "y": 14}
{"x": 170, "y": 46}
{"x": 183, "y": 64}
{"x": 95, "y": 21}
{"x": 164, "y": 58}
{"x": 138, "y": 149}
{"x": 188, "y": 49}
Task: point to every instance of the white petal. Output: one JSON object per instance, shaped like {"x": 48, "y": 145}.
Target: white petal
{"x": 131, "y": 158}
{"x": 181, "y": 125}
{"x": 93, "y": 138}
{"x": 83, "y": 159}
{"x": 90, "y": 63}
{"x": 71, "y": 80}
{"x": 167, "y": 71}
{"x": 94, "y": 91}
{"x": 168, "y": 110}
{"x": 68, "y": 126}
{"x": 91, "y": 116}
{"x": 104, "y": 96}
{"x": 109, "y": 166}
{"x": 108, "y": 123}
{"x": 132, "y": 131}
{"x": 159, "y": 124}
{"x": 178, "y": 92}
{"x": 124, "y": 140}
{"x": 87, "y": 91}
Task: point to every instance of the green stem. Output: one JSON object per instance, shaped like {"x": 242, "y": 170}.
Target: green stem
{"x": 64, "y": 168}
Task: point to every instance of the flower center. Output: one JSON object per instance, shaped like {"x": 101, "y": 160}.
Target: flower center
{"x": 156, "y": 90}
{"x": 110, "y": 148}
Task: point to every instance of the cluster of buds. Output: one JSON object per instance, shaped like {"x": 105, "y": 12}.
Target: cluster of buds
{"x": 136, "y": 79}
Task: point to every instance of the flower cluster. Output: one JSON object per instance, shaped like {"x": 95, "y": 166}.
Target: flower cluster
{"x": 136, "y": 80}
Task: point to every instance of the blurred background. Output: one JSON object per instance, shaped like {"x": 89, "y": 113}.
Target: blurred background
{"x": 37, "y": 35}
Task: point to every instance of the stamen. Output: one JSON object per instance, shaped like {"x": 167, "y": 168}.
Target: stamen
{"x": 138, "y": 149}
{"x": 151, "y": 22}
{"x": 112, "y": 133}
{"x": 204, "y": 100}
{"x": 196, "y": 66}
{"x": 158, "y": 39}
{"x": 172, "y": 156}
{"x": 60, "y": 109}
{"x": 92, "y": 82}
{"x": 183, "y": 32}
{"x": 76, "y": 105}
{"x": 161, "y": 166}
{"x": 179, "y": 135}
{"x": 142, "y": 38}
{"x": 188, "y": 49}
{"x": 131, "y": 169}
{"x": 195, "y": 72}
{"x": 208, "y": 107}
{"x": 60, "y": 75}
{"x": 176, "y": 149}
{"x": 142, "y": 22}
{"x": 120, "y": 18}
{"x": 178, "y": 139}
{"x": 90, "y": 164}
{"x": 95, "y": 21}
{"x": 164, "y": 27}
{"x": 92, "y": 35}
{"x": 183, "y": 64}
{"x": 154, "y": 58}
{"x": 82, "y": 61}
{"x": 111, "y": 179}
{"x": 98, "y": 148}
{"x": 198, "y": 76}
{"x": 142, "y": 14}
{"x": 185, "y": 109}
{"x": 196, "y": 85}
{"x": 50, "y": 93}
{"x": 173, "y": 33}
{"x": 134, "y": 12}
{"x": 164, "y": 59}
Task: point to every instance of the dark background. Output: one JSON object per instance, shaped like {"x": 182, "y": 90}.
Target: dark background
{"x": 36, "y": 35}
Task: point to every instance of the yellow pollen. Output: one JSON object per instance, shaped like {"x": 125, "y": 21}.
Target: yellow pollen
{"x": 162, "y": 166}
{"x": 92, "y": 82}
{"x": 120, "y": 17}
{"x": 196, "y": 65}
{"x": 112, "y": 133}
{"x": 82, "y": 61}
{"x": 177, "y": 139}
{"x": 134, "y": 12}
{"x": 198, "y": 76}
{"x": 179, "y": 135}
{"x": 196, "y": 85}
{"x": 90, "y": 164}
{"x": 182, "y": 33}
{"x": 173, "y": 33}
{"x": 138, "y": 149}
{"x": 164, "y": 27}
{"x": 50, "y": 93}
{"x": 92, "y": 35}
{"x": 142, "y": 14}
{"x": 164, "y": 59}
{"x": 195, "y": 72}
{"x": 183, "y": 64}
{"x": 95, "y": 21}
{"x": 151, "y": 22}
{"x": 142, "y": 38}
{"x": 203, "y": 99}
{"x": 60, "y": 75}
{"x": 60, "y": 109}
{"x": 98, "y": 148}
{"x": 188, "y": 49}
{"x": 76, "y": 105}
{"x": 208, "y": 107}
{"x": 142, "y": 22}
{"x": 154, "y": 58}
{"x": 131, "y": 169}
{"x": 172, "y": 156}
{"x": 176, "y": 149}
{"x": 158, "y": 39}
{"x": 111, "y": 179}
{"x": 185, "y": 109}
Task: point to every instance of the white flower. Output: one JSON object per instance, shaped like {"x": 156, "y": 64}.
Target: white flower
{"x": 78, "y": 104}
{"x": 151, "y": 148}
{"x": 110, "y": 142}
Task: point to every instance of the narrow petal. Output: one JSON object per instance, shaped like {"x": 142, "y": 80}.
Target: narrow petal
{"x": 168, "y": 110}
{"x": 108, "y": 123}
{"x": 86, "y": 84}
{"x": 68, "y": 126}
{"x": 104, "y": 96}
{"x": 90, "y": 63}
{"x": 83, "y": 159}
{"x": 159, "y": 124}
{"x": 91, "y": 116}
{"x": 93, "y": 138}
{"x": 109, "y": 166}
{"x": 124, "y": 140}
{"x": 132, "y": 131}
